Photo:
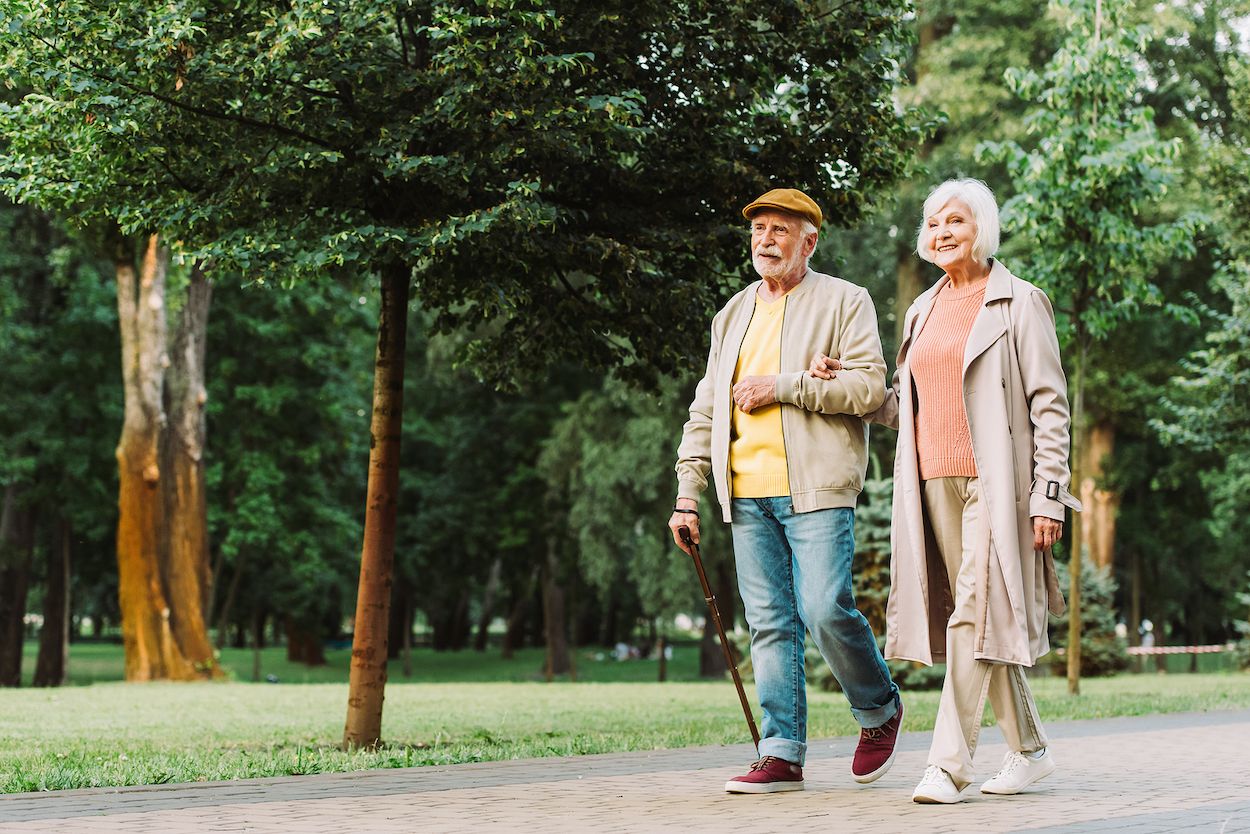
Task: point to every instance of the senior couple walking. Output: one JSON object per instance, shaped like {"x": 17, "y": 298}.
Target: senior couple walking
{"x": 779, "y": 422}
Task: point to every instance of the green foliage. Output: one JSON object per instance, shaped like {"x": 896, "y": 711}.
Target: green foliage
{"x": 62, "y": 396}
{"x": 470, "y": 488}
{"x": 287, "y": 386}
{"x": 1205, "y": 412}
{"x": 530, "y": 160}
{"x": 1098, "y": 167}
{"x": 1102, "y": 651}
{"x": 609, "y": 462}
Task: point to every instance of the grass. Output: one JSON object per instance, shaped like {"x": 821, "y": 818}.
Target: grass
{"x": 113, "y": 733}
{"x": 102, "y": 662}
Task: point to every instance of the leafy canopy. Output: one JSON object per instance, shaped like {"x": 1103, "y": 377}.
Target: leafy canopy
{"x": 562, "y": 175}
{"x": 1083, "y": 192}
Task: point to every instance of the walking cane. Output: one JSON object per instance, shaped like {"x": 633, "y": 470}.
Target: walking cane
{"x": 710, "y": 598}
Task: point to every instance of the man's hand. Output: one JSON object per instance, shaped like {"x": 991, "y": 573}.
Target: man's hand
{"x": 1046, "y": 531}
{"x": 824, "y": 367}
{"x": 754, "y": 392}
{"x": 690, "y": 520}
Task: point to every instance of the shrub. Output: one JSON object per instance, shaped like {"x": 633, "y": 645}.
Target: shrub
{"x": 1102, "y": 652}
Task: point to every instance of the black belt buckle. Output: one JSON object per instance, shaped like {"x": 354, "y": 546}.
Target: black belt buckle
{"x": 1052, "y": 489}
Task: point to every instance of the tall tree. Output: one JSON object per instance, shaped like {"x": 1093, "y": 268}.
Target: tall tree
{"x": 1080, "y": 199}
{"x": 526, "y": 165}
{"x": 162, "y": 555}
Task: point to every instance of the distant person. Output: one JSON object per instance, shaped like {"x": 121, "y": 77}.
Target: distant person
{"x": 788, "y": 454}
{"x": 980, "y": 489}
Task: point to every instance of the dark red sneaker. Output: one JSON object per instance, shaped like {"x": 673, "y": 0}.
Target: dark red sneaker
{"x": 769, "y": 775}
{"x": 875, "y": 752}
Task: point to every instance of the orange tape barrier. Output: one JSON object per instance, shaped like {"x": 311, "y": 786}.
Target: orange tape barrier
{"x": 1140, "y": 650}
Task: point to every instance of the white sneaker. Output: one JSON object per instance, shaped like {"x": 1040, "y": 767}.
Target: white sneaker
{"x": 936, "y": 788}
{"x": 1018, "y": 772}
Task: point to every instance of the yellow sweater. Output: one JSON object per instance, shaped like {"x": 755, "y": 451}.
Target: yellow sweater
{"x": 757, "y": 451}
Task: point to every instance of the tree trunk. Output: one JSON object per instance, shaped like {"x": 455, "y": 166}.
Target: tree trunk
{"x": 16, "y": 548}
{"x": 458, "y": 630}
{"x": 53, "y": 661}
{"x": 367, "y": 683}
{"x": 488, "y": 605}
{"x": 409, "y": 609}
{"x": 1101, "y": 504}
{"x": 555, "y": 628}
{"x": 711, "y": 657}
{"x": 152, "y": 651}
{"x": 304, "y": 645}
{"x": 186, "y": 565}
{"x": 227, "y": 605}
{"x": 661, "y": 646}
{"x": 909, "y": 283}
{"x": 401, "y": 601}
{"x": 258, "y": 642}
{"x": 1079, "y": 435}
{"x": 514, "y": 632}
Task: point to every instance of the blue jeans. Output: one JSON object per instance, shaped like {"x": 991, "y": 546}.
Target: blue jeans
{"x": 794, "y": 571}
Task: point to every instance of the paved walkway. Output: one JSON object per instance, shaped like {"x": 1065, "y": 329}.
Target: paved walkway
{"x": 1159, "y": 773}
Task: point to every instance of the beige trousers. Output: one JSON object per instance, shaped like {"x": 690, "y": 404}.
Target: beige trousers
{"x": 954, "y": 511}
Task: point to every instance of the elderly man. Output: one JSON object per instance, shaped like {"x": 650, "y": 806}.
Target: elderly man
{"x": 788, "y": 452}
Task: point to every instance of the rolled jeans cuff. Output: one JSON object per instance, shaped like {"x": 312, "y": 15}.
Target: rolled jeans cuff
{"x": 871, "y": 718}
{"x": 784, "y": 748}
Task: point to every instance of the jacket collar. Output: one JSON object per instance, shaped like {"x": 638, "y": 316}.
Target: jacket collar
{"x": 800, "y": 289}
{"x": 999, "y": 285}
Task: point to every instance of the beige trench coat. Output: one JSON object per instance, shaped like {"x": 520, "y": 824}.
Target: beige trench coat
{"x": 1015, "y": 393}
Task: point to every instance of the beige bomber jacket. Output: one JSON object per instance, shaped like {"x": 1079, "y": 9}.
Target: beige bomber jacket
{"x": 825, "y": 438}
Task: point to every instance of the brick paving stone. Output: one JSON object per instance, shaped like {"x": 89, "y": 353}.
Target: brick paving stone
{"x": 1157, "y": 773}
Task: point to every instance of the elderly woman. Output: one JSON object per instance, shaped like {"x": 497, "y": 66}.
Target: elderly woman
{"x": 980, "y": 487}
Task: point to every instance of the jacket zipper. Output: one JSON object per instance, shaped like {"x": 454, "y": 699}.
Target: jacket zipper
{"x": 729, "y": 481}
{"x": 781, "y": 355}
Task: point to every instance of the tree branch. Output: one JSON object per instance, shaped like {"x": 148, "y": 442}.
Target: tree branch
{"x": 206, "y": 112}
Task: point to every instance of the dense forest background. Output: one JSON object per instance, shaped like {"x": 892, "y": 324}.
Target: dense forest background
{"x": 556, "y": 305}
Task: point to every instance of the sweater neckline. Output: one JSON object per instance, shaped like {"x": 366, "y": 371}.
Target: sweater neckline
{"x": 978, "y": 288}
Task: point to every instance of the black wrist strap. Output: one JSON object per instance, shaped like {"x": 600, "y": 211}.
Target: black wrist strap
{"x": 694, "y": 513}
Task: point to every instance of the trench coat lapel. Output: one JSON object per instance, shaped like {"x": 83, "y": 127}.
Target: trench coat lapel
{"x": 908, "y": 508}
{"x": 919, "y": 314}
{"x": 988, "y": 325}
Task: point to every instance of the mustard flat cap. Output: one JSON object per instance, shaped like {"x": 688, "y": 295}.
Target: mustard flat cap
{"x": 788, "y": 200}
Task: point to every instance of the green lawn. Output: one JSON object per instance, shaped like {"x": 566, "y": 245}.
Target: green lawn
{"x": 120, "y": 734}
{"x": 102, "y": 662}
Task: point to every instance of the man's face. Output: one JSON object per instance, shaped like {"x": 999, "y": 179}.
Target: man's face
{"x": 778, "y": 245}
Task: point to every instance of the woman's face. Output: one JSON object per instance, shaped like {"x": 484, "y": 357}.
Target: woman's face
{"x": 951, "y": 231}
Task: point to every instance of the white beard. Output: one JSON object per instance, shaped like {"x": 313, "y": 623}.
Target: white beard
{"x": 771, "y": 269}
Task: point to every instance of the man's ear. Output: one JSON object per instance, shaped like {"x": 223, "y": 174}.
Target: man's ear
{"x": 809, "y": 245}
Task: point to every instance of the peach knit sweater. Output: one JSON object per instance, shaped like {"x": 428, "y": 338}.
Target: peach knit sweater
{"x": 943, "y": 443}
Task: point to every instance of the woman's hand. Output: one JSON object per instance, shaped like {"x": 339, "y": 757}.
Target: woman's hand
{"x": 1046, "y": 531}
{"x": 824, "y": 367}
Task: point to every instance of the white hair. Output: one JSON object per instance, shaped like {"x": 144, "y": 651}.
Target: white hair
{"x": 980, "y": 201}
